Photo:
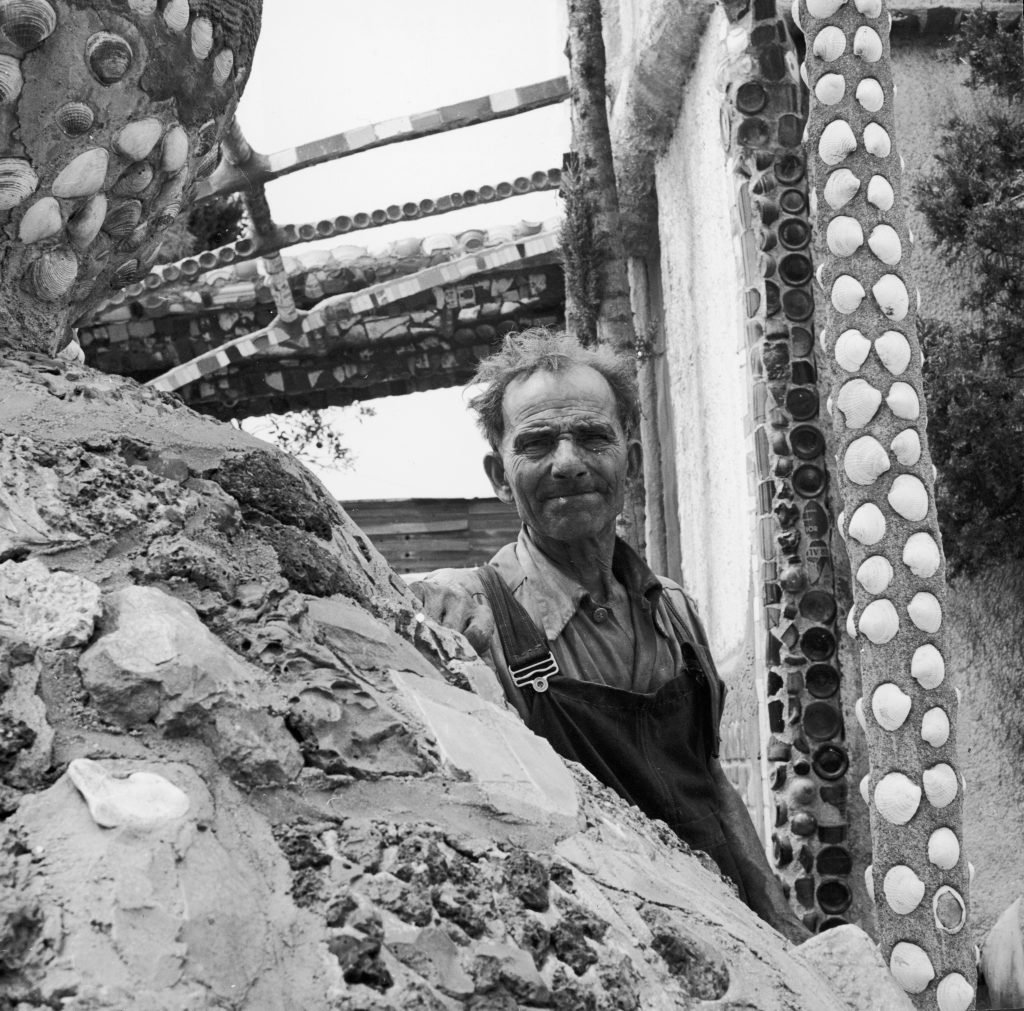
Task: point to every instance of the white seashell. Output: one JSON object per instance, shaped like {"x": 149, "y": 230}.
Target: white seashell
{"x": 819, "y": 275}
{"x": 906, "y": 447}
{"x": 869, "y": 881}
{"x": 836, "y": 142}
{"x": 935, "y": 727}
{"x": 847, "y": 294}
{"x": 921, "y": 555}
{"x": 83, "y": 176}
{"x": 867, "y": 524}
{"x": 944, "y": 849}
{"x": 840, "y": 188}
{"x": 142, "y": 800}
{"x": 879, "y": 621}
{"x": 903, "y": 401}
{"x": 85, "y": 224}
{"x": 176, "y": 15}
{"x": 940, "y": 784}
{"x": 893, "y": 349}
{"x": 869, "y": 94}
{"x": 858, "y": 708}
{"x": 970, "y": 873}
{"x": 897, "y": 798}
{"x": 137, "y": 139}
{"x": 911, "y": 967}
{"x": 822, "y": 9}
{"x": 890, "y": 705}
{"x": 884, "y": 242}
{"x": 864, "y": 460}
{"x": 954, "y": 993}
{"x": 803, "y": 67}
{"x": 880, "y": 193}
{"x": 202, "y": 38}
{"x": 54, "y": 273}
{"x": 867, "y": 44}
{"x": 875, "y": 574}
{"x": 223, "y": 63}
{"x": 851, "y": 350}
{"x": 794, "y": 12}
{"x": 851, "y": 624}
{"x": 844, "y": 235}
{"x": 925, "y": 611}
{"x": 909, "y": 497}
{"x": 829, "y": 43}
{"x": 830, "y": 89}
{"x": 877, "y": 140}
{"x": 865, "y": 788}
{"x": 858, "y": 400}
{"x": 891, "y": 295}
{"x": 41, "y": 221}
{"x": 11, "y": 80}
{"x": 927, "y": 667}
{"x": 903, "y": 889}
{"x": 174, "y": 150}
{"x": 869, "y": 8}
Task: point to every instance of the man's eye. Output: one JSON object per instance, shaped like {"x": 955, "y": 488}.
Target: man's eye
{"x": 595, "y": 440}
{"x": 536, "y": 445}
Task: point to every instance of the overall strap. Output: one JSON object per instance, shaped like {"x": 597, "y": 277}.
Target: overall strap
{"x": 529, "y": 660}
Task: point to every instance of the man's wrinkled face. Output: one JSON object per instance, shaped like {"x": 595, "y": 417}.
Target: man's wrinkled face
{"x": 564, "y": 457}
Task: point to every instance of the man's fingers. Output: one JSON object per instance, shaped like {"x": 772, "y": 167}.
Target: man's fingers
{"x": 480, "y": 629}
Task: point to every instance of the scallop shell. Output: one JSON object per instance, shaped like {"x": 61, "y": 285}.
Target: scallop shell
{"x": 127, "y": 273}
{"x": 858, "y": 400}
{"x": 935, "y": 727}
{"x": 123, "y": 218}
{"x": 41, "y": 220}
{"x": 27, "y": 23}
{"x": 141, "y": 800}
{"x": 940, "y": 785}
{"x": 867, "y": 525}
{"x": 869, "y": 880}
{"x": 11, "y": 80}
{"x": 836, "y": 142}
{"x": 897, "y": 798}
{"x": 911, "y": 967}
{"x": 202, "y": 38}
{"x": 879, "y": 621}
{"x": 844, "y": 235}
{"x": 906, "y": 447}
{"x": 884, "y": 242}
{"x": 134, "y": 179}
{"x": 85, "y": 224}
{"x": 174, "y": 151}
{"x": 864, "y": 460}
{"x": 903, "y": 401}
{"x": 890, "y": 705}
{"x": 921, "y": 555}
{"x": 139, "y": 138}
{"x": 223, "y": 63}
{"x": 75, "y": 118}
{"x": 109, "y": 57}
{"x": 875, "y": 574}
{"x": 83, "y": 176}
{"x": 830, "y": 89}
{"x": 927, "y": 667}
{"x": 880, "y": 193}
{"x": 925, "y": 611}
{"x": 54, "y": 273}
{"x": 877, "y": 140}
{"x": 209, "y": 161}
{"x": 892, "y": 297}
{"x": 869, "y": 8}
{"x": 909, "y": 497}
{"x": 893, "y": 349}
{"x": 865, "y": 788}
{"x": 176, "y": 15}
{"x": 17, "y": 181}
{"x": 954, "y": 993}
{"x": 870, "y": 95}
{"x": 903, "y": 889}
{"x": 944, "y": 849}
{"x": 829, "y": 43}
{"x": 858, "y": 708}
{"x": 840, "y": 188}
{"x": 822, "y": 9}
{"x": 867, "y": 44}
{"x": 851, "y": 350}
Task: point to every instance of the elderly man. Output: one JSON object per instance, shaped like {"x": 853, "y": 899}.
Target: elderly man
{"x": 597, "y": 654}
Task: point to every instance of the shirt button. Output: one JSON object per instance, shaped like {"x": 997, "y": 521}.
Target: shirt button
{"x": 600, "y": 614}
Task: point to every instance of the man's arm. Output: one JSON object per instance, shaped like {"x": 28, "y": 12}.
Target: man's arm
{"x": 764, "y": 893}
{"x": 454, "y": 598}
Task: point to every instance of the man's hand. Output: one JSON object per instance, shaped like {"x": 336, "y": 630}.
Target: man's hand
{"x": 456, "y": 607}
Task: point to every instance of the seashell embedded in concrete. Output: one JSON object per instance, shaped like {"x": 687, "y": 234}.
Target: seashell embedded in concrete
{"x": 27, "y": 23}
{"x": 909, "y": 497}
{"x": 869, "y": 8}
{"x": 858, "y": 401}
{"x": 123, "y": 218}
{"x": 840, "y": 188}
{"x": 884, "y": 242}
{"x": 897, "y": 798}
{"x": 867, "y": 524}
{"x": 944, "y": 849}
{"x": 858, "y": 708}
{"x": 911, "y": 967}
{"x": 176, "y": 15}
{"x": 830, "y": 89}
{"x": 109, "y": 57}
{"x": 75, "y": 118}
{"x": 877, "y": 140}
{"x": 903, "y": 889}
{"x": 879, "y": 621}
{"x": 903, "y": 401}
{"x": 864, "y": 460}
{"x": 869, "y": 880}
{"x": 927, "y": 667}
{"x": 829, "y": 43}
{"x": 41, "y": 220}
{"x": 134, "y": 179}
{"x": 139, "y": 138}
{"x": 935, "y": 727}
{"x": 906, "y": 447}
{"x": 890, "y": 706}
{"x": 837, "y": 141}
{"x": 844, "y": 235}
{"x": 875, "y": 574}
{"x": 54, "y": 273}
{"x": 11, "y": 80}
{"x": 851, "y": 350}
{"x": 851, "y": 624}
{"x": 891, "y": 295}
{"x": 925, "y": 611}
{"x": 822, "y": 9}
{"x": 223, "y": 63}
{"x": 865, "y": 788}
{"x": 18, "y": 181}
{"x": 141, "y": 800}
{"x": 880, "y": 193}
{"x": 803, "y": 63}
{"x": 954, "y": 993}
{"x": 174, "y": 151}
{"x": 847, "y": 294}
{"x": 867, "y": 44}
{"x": 921, "y": 555}
{"x": 85, "y": 224}
{"x": 869, "y": 94}
{"x": 202, "y": 38}
{"x": 893, "y": 350}
{"x": 83, "y": 176}
{"x": 940, "y": 785}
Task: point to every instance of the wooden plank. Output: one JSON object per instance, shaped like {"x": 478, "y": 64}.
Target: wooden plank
{"x": 429, "y": 527}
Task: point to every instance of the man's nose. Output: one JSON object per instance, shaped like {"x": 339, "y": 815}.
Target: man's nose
{"x": 567, "y": 462}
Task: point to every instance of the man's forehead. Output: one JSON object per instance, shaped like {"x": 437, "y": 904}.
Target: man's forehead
{"x": 578, "y": 388}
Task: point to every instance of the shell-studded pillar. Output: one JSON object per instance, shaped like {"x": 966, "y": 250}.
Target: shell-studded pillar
{"x": 109, "y": 113}
{"x": 909, "y": 705}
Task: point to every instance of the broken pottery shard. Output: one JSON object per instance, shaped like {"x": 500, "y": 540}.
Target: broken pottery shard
{"x": 142, "y": 800}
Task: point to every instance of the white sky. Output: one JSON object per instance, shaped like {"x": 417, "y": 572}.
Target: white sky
{"x": 324, "y": 66}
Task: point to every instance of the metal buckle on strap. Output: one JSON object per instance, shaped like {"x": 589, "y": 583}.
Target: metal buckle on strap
{"x": 535, "y": 673}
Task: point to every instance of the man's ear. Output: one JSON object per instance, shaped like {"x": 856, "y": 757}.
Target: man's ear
{"x": 494, "y": 468}
{"x": 634, "y": 459}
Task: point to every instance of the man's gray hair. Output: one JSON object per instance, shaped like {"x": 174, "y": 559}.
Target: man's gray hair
{"x": 540, "y": 350}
